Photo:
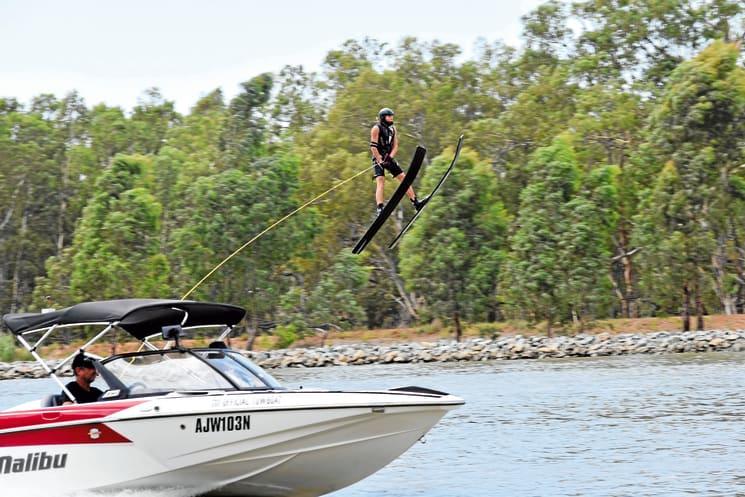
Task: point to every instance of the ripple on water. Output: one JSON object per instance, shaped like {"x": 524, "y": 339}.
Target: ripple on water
{"x": 665, "y": 426}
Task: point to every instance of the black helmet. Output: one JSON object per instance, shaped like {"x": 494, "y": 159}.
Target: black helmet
{"x": 385, "y": 111}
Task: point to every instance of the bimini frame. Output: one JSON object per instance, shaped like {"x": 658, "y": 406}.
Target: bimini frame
{"x": 24, "y": 338}
{"x": 136, "y": 317}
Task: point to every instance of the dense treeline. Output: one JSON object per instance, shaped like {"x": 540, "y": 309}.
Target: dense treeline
{"x": 604, "y": 175}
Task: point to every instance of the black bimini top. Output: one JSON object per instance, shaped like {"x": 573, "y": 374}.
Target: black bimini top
{"x": 140, "y": 317}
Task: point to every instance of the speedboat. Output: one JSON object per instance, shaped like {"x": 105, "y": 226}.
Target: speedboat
{"x": 206, "y": 420}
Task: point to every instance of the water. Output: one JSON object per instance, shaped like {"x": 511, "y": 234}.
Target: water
{"x": 624, "y": 426}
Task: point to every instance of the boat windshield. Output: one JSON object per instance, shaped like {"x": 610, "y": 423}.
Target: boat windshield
{"x": 173, "y": 370}
{"x": 239, "y": 369}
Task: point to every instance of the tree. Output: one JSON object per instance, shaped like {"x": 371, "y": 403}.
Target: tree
{"x": 697, "y": 131}
{"x": 560, "y": 250}
{"x": 115, "y": 252}
{"x": 644, "y": 41}
{"x": 586, "y": 246}
{"x": 226, "y": 210}
{"x": 598, "y": 73}
{"x": 243, "y": 135}
{"x": 510, "y": 139}
{"x": 334, "y": 299}
{"x": 110, "y": 132}
{"x": 453, "y": 255}
{"x": 151, "y": 119}
{"x": 296, "y": 106}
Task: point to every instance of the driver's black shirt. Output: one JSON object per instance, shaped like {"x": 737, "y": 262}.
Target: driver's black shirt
{"x": 82, "y": 396}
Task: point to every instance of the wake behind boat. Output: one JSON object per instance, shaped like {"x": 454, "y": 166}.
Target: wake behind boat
{"x": 204, "y": 419}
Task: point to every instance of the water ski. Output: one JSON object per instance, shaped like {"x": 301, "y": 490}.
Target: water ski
{"x": 429, "y": 197}
{"x": 416, "y": 164}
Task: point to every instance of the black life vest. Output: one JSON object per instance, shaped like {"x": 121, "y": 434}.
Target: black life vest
{"x": 386, "y": 138}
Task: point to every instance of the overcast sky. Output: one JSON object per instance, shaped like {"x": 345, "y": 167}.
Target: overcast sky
{"x": 110, "y": 51}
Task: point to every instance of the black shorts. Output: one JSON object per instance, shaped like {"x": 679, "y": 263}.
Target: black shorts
{"x": 390, "y": 165}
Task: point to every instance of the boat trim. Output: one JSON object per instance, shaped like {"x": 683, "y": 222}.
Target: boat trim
{"x": 112, "y": 419}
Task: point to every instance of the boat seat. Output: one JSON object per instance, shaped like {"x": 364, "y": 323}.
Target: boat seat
{"x": 51, "y": 401}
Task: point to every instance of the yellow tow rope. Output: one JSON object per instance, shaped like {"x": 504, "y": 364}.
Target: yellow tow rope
{"x": 271, "y": 227}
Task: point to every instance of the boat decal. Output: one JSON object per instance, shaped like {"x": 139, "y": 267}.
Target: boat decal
{"x": 34, "y": 461}
{"x": 97, "y": 433}
{"x": 77, "y": 412}
{"x": 247, "y": 401}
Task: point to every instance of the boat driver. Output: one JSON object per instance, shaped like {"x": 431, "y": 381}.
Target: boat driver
{"x": 85, "y": 375}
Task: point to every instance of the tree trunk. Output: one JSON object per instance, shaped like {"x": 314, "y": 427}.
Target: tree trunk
{"x": 15, "y": 297}
{"x": 686, "y": 313}
{"x": 406, "y": 300}
{"x": 626, "y": 295}
{"x": 739, "y": 299}
{"x": 576, "y": 321}
{"x": 456, "y": 322}
{"x": 62, "y": 213}
{"x": 112, "y": 343}
{"x": 718, "y": 262}
{"x": 324, "y": 336}
{"x": 253, "y": 333}
{"x": 628, "y": 279}
{"x": 619, "y": 295}
{"x": 699, "y": 308}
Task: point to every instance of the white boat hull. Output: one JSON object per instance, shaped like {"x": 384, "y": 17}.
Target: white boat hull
{"x": 298, "y": 444}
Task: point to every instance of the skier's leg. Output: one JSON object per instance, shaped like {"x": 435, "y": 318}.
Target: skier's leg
{"x": 380, "y": 190}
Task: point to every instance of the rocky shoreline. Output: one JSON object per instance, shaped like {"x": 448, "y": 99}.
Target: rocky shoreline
{"x": 477, "y": 349}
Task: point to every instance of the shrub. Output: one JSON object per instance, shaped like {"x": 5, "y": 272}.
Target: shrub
{"x": 489, "y": 330}
{"x": 9, "y": 352}
{"x": 286, "y": 336}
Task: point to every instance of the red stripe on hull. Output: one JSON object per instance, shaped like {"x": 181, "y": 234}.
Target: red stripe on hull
{"x": 64, "y": 414}
{"x": 95, "y": 433}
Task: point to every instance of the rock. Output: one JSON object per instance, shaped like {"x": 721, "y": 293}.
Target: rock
{"x": 477, "y": 349}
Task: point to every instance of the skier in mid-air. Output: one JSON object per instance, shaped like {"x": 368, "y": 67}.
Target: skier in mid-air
{"x": 384, "y": 147}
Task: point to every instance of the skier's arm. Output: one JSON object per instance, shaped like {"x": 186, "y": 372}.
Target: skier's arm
{"x": 374, "y": 134}
{"x": 394, "y": 150}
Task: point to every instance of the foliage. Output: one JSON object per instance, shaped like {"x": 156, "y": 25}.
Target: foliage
{"x": 334, "y": 299}
{"x": 286, "y": 336}
{"x": 453, "y": 255}
{"x": 687, "y": 225}
{"x": 602, "y": 177}
{"x": 9, "y": 352}
{"x": 560, "y": 249}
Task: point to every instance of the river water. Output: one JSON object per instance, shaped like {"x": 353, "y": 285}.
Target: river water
{"x": 623, "y": 426}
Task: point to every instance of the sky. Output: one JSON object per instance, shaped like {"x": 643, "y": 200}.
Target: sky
{"x": 110, "y": 51}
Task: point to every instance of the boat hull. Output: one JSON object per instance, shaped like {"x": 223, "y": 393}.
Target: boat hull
{"x": 298, "y": 444}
